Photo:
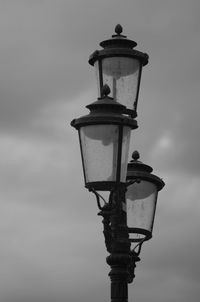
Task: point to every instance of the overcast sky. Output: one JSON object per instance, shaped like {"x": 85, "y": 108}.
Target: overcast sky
{"x": 51, "y": 241}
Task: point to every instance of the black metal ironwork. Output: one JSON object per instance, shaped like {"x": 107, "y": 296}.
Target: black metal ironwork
{"x": 118, "y": 45}
{"x": 122, "y": 259}
{"x": 132, "y": 265}
{"x": 138, "y": 89}
{"x": 139, "y": 170}
{"x": 119, "y": 258}
{"x": 146, "y": 233}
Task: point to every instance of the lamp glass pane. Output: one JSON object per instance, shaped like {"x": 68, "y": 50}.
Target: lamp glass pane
{"x": 125, "y": 151}
{"x": 99, "y": 145}
{"x": 140, "y": 206}
{"x": 96, "y": 65}
{"x": 121, "y": 74}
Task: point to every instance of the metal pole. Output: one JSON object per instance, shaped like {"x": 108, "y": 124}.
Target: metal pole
{"x": 119, "y": 258}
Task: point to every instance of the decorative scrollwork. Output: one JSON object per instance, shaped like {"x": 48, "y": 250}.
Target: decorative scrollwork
{"x": 113, "y": 226}
{"x": 106, "y": 213}
{"x": 98, "y": 197}
{"x": 132, "y": 265}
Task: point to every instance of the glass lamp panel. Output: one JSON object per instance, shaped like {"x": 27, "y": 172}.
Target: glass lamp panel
{"x": 125, "y": 151}
{"x": 96, "y": 65}
{"x": 140, "y": 207}
{"x": 121, "y": 74}
{"x": 99, "y": 144}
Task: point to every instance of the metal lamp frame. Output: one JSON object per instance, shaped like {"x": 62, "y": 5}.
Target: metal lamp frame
{"x": 105, "y": 111}
{"x": 139, "y": 171}
{"x": 119, "y": 46}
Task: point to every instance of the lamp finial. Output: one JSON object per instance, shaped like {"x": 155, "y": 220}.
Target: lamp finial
{"x": 105, "y": 90}
{"x": 118, "y": 29}
{"x": 135, "y": 155}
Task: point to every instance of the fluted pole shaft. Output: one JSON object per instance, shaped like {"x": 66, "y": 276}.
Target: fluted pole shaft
{"x": 119, "y": 258}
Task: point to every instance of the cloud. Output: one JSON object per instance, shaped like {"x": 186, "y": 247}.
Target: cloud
{"x": 39, "y": 65}
{"x": 52, "y": 246}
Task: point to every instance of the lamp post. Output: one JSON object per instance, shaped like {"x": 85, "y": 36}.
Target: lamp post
{"x": 104, "y": 136}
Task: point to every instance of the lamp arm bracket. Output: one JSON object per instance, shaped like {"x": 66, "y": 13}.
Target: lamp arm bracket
{"x": 132, "y": 265}
{"x": 98, "y": 197}
{"x": 137, "y": 248}
{"x": 106, "y": 214}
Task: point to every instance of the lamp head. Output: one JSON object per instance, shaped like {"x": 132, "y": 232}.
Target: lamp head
{"x": 141, "y": 199}
{"x": 119, "y": 65}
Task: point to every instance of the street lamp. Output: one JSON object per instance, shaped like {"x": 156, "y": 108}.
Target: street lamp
{"x": 119, "y": 65}
{"x": 141, "y": 199}
{"x": 104, "y": 137}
